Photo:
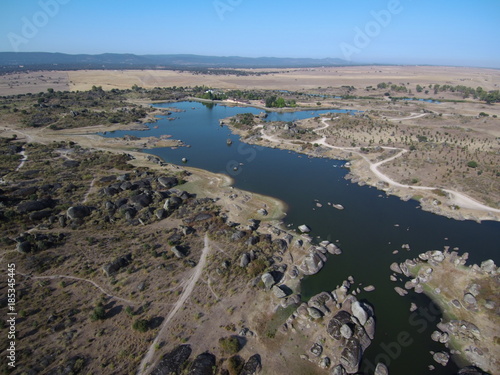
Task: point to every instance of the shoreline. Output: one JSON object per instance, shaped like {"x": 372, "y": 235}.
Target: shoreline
{"x": 470, "y": 322}
{"x": 364, "y": 172}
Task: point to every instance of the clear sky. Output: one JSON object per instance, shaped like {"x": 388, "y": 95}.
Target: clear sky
{"x": 441, "y": 32}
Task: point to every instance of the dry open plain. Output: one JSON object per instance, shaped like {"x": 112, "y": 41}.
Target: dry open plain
{"x": 274, "y": 79}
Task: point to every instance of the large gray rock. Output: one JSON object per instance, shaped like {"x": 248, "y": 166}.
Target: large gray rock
{"x": 304, "y": 228}
{"x": 238, "y": 235}
{"x": 335, "y": 324}
{"x": 359, "y": 312}
{"x": 442, "y": 358}
{"x": 38, "y": 205}
{"x": 172, "y": 203}
{"x": 351, "y": 356}
{"x": 172, "y": 362}
{"x": 346, "y": 331}
{"x": 24, "y": 247}
{"x": 178, "y": 252}
{"x": 488, "y": 266}
{"x": 244, "y": 260}
{"x": 268, "y": 280}
{"x": 203, "y": 365}
{"x": 316, "y": 350}
{"x": 436, "y": 256}
{"x": 278, "y": 292}
{"x": 370, "y": 327}
{"x": 311, "y": 264}
{"x": 323, "y": 302}
{"x": 253, "y": 366}
{"x": 381, "y": 369}
{"x": 314, "y": 313}
{"x": 338, "y": 370}
{"x": 78, "y": 212}
{"x": 469, "y": 299}
{"x": 395, "y": 268}
{"x": 113, "y": 267}
{"x": 168, "y": 182}
{"x": 141, "y": 200}
{"x": 471, "y": 370}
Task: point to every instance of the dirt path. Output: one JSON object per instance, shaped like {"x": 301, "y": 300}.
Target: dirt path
{"x": 180, "y": 302}
{"x": 411, "y": 117}
{"x": 52, "y": 277}
{"x": 23, "y": 160}
{"x": 459, "y": 199}
{"x": 89, "y": 191}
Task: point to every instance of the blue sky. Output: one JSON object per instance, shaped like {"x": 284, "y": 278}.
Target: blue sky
{"x": 369, "y": 31}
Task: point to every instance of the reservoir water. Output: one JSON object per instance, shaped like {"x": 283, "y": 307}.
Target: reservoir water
{"x": 368, "y": 230}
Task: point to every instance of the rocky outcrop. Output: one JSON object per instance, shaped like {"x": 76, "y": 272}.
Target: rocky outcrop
{"x": 344, "y": 325}
{"x": 312, "y": 263}
{"x": 338, "y": 370}
{"x": 78, "y": 212}
{"x": 441, "y": 357}
{"x": 381, "y": 369}
{"x": 268, "y": 280}
{"x": 304, "y": 228}
{"x": 171, "y": 363}
{"x": 253, "y": 366}
{"x": 168, "y": 182}
{"x": 203, "y": 365}
{"x": 471, "y": 370}
{"x": 178, "y": 251}
{"x": 36, "y": 205}
{"x": 351, "y": 356}
{"x": 113, "y": 267}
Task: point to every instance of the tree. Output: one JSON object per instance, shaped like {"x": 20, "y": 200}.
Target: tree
{"x": 141, "y": 325}
{"x": 271, "y": 101}
{"x": 99, "y": 313}
{"x": 420, "y": 88}
{"x": 280, "y": 103}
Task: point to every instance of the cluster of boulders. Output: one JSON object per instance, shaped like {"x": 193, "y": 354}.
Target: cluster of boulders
{"x": 30, "y": 243}
{"x": 341, "y": 326}
{"x": 459, "y": 329}
{"x": 316, "y": 257}
{"x": 177, "y": 362}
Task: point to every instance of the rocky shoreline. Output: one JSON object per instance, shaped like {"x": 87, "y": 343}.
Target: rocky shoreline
{"x": 468, "y": 297}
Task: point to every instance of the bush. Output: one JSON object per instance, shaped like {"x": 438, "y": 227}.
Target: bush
{"x": 472, "y": 164}
{"x": 140, "y": 325}
{"x": 98, "y": 313}
{"x": 230, "y": 345}
{"x": 256, "y": 267}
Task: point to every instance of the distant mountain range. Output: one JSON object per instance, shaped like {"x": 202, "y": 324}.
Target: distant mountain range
{"x": 44, "y": 60}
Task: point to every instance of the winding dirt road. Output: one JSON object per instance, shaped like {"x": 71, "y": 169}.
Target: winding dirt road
{"x": 456, "y": 198}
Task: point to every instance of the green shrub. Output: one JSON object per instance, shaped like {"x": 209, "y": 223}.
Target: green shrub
{"x": 472, "y": 164}
{"x": 230, "y": 344}
{"x": 98, "y": 314}
{"x": 140, "y": 325}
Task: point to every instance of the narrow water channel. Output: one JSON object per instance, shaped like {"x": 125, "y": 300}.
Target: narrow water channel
{"x": 370, "y": 228}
